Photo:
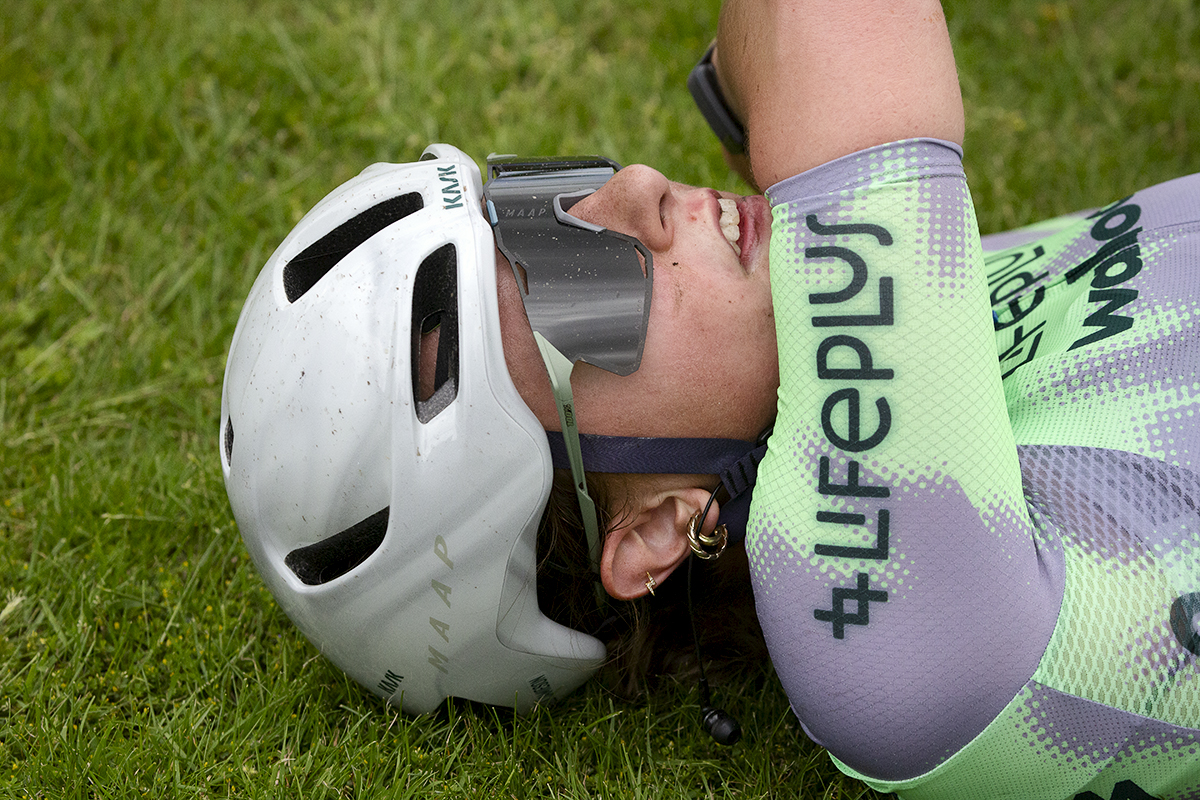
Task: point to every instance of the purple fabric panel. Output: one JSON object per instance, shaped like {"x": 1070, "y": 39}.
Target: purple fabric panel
{"x": 1022, "y": 236}
{"x": 1119, "y": 498}
{"x": 1128, "y": 514}
{"x": 935, "y": 157}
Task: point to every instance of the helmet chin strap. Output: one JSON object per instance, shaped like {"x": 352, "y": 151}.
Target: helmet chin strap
{"x": 734, "y": 461}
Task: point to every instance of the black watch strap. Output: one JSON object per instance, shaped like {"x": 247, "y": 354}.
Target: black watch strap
{"x": 702, "y": 83}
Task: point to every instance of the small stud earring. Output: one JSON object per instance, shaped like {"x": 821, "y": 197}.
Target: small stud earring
{"x": 650, "y": 583}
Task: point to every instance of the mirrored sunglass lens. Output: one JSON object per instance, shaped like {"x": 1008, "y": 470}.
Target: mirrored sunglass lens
{"x": 587, "y": 292}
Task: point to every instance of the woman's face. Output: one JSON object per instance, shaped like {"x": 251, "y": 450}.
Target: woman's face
{"x": 709, "y": 367}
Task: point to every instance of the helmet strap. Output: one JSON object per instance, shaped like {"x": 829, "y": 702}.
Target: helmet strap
{"x": 559, "y": 368}
{"x": 734, "y": 461}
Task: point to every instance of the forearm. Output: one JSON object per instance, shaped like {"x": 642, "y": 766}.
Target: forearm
{"x": 812, "y": 81}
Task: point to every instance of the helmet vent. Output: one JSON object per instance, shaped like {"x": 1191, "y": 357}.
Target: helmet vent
{"x": 303, "y": 271}
{"x": 435, "y": 333}
{"x": 228, "y": 444}
{"x": 338, "y": 554}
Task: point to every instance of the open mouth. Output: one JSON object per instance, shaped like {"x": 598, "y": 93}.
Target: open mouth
{"x": 730, "y": 222}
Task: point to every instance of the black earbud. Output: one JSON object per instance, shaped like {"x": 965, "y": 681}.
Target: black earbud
{"x": 723, "y": 728}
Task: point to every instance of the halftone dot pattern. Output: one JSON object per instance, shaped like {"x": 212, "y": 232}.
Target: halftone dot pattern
{"x": 1114, "y": 642}
{"x": 1016, "y": 622}
{"x": 1136, "y": 389}
{"x": 1048, "y": 744}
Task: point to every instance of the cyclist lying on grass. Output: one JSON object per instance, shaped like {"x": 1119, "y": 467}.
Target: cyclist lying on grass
{"x": 471, "y": 431}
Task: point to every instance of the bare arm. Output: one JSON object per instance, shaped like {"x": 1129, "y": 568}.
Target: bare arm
{"x": 812, "y": 81}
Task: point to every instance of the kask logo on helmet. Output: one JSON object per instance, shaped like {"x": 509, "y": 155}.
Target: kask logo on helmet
{"x": 451, "y": 190}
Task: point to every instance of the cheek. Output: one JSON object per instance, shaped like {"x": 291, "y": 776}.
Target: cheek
{"x": 681, "y": 337}
{"x": 696, "y": 318}
{"x": 717, "y": 350}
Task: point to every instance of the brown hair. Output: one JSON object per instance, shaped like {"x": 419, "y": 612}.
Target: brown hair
{"x": 649, "y": 638}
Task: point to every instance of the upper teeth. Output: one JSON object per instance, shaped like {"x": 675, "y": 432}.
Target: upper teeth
{"x": 729, "y": 223}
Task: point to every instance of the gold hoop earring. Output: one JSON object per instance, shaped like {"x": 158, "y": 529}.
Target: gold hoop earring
{"x": 650, "y": 583}
{"x": 706, "y": 546}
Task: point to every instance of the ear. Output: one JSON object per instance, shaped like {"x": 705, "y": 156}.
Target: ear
{"x": 653, "y": 541}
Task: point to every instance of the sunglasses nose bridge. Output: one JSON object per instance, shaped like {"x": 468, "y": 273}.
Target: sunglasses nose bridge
{"x": 564, "y": 202}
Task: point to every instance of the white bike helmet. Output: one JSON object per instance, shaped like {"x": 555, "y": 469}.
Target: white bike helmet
{"x": 397, "y": 533}
{"x": 395, "y": 520}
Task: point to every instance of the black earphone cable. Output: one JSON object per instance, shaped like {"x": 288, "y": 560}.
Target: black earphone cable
{"x": 720, "y": 726}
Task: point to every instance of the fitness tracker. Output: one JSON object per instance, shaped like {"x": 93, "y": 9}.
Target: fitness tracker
{"x": 702, "y": 83}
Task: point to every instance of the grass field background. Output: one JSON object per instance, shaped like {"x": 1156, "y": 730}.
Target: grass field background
{"x": 153, "y": 153}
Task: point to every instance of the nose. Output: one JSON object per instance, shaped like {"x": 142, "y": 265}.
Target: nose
{"x": 636, "y": 202}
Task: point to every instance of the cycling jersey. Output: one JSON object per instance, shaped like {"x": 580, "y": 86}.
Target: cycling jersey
{"x": 975, "y": 541}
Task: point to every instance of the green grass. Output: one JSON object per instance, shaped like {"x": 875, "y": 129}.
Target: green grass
{"x": 153, "y": 152}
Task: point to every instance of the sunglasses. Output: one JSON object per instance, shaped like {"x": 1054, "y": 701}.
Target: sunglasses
{"x": 586, "y": 289}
